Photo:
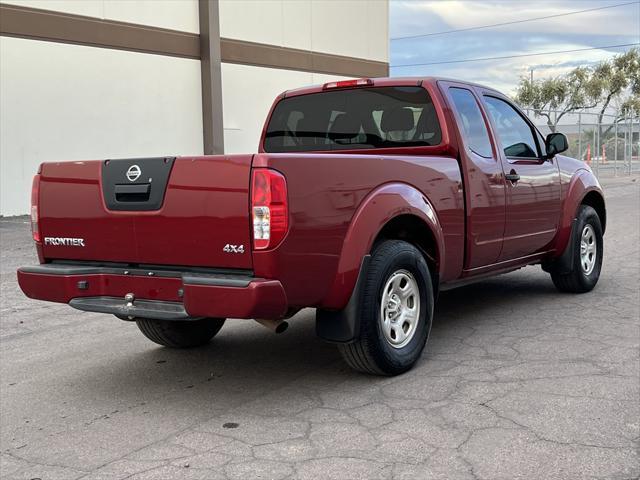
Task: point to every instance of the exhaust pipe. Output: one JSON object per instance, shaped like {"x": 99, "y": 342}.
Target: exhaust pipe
{"x": 276, "y": 326}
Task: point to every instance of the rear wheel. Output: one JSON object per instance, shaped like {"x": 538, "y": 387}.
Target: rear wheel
{"x": 587, "y": 255}
{"x": 395, "y": 312}
{"x": 180, "y": 334}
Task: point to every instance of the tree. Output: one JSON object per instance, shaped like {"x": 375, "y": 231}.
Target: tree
{"x": 616, "y": 80}
{"x": 612, "y": 78}
{"x": 553, "y": 98}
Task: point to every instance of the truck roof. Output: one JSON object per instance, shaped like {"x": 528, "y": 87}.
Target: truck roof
{"x": 384, "y": 81}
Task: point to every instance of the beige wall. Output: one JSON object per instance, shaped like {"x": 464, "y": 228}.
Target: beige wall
{"x": 354, "y": 28}
{"x": 247, "y": 95}
{"x": 173, "y": 14}
{"x": 70, "y": 102}
{"x": 62, "y": 101}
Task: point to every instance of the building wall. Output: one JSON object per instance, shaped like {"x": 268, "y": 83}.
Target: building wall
{"x": 353, "y": 28}
{"x": 174, "y": 14}
{"x": 357, "y": 29}
{"x": 247, "y": 95}
{"x": 77, "y": 100}
{"x": 71, "y": 102}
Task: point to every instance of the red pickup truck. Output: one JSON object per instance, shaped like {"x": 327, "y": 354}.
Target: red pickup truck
{"x": 366, "y": 199}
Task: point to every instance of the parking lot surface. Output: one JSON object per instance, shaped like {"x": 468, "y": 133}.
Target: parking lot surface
{"x": 517, "y": 381}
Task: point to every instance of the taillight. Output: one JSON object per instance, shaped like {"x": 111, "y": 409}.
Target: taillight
{"x": 269, "y": 209}
{"x": 35, "y": 195}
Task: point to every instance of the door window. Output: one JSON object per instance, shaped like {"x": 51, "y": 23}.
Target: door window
{"x": 473, "y": 126}
{"x": 515, "y": 134}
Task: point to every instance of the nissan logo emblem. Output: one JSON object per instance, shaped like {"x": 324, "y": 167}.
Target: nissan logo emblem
{"x": 133, "y": 173}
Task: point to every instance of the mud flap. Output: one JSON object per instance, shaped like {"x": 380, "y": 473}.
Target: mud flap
{"x": 343, "y": 326}
{"x": 564, "y": 263}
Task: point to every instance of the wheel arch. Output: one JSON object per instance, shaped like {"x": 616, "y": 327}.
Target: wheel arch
{"x": 393, "y": 210}
{"x": 412, "y": 229}
{"x": 583, "y": 189}
{"x": 595, "y": 199}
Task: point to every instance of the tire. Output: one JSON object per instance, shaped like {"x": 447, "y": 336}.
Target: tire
{"x": 180, "y": 334}
{"x": 376, "y": 352}
{"x": 585, "y": 270}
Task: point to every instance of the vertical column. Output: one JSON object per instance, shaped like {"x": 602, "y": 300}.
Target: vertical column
{"x": 579, "y": 136}
{"x": 213, "y": 130}
{"x": 615, "y": 145}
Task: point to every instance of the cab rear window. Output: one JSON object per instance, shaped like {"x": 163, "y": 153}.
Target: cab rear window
{"x": 363, "y": 118}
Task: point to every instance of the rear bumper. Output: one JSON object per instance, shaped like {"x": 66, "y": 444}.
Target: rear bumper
{"x": 157, "y": 293}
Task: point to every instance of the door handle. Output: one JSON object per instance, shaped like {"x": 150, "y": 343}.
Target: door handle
{"x": 512, "y": 176}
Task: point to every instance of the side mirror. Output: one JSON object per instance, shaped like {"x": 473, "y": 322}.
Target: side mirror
{"x": 556, "y": 143}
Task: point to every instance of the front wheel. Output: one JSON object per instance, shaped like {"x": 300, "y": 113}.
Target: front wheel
{"x": 180, "y": 333}
{"x": 396, "y": 309}
{"x": 587, "y": 254}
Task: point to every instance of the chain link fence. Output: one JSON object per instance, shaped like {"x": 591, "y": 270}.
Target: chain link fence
{"x": 609, "y": 143}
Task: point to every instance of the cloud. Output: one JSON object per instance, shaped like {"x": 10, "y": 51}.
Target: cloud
{"x": 603, "y": 27}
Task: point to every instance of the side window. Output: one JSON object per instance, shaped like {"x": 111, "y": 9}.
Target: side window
{"x": 473, "y": 126}
{"x": 516, "y": 137}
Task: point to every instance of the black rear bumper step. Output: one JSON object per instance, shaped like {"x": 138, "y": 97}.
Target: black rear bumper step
{"x": 64, "y": 269}
{"x": 221, "y": 280}
{"x": 154, "y": 267}
{"x": 226, "y": 279}
{"x": 119, "y": 307}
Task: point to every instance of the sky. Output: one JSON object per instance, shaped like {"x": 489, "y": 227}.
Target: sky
{"x": 604, "y": 27}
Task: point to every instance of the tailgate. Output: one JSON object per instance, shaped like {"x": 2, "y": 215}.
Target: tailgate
{"x": 159, "y": 211}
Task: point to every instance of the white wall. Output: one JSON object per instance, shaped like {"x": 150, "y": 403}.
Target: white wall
{"x": 172, "y": 14}
{"x": 354, "y": 28}
{"x": 69, "y": 102}
{"x": 247, "y": 95}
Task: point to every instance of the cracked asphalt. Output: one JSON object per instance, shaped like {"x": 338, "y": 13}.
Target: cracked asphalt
{"x": 517, "y": 381}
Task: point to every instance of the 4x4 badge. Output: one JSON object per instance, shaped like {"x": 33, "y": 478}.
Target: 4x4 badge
{"x": 233, "y": 248}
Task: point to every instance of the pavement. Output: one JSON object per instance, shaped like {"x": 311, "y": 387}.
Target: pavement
{"x": 517, "y": 381}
